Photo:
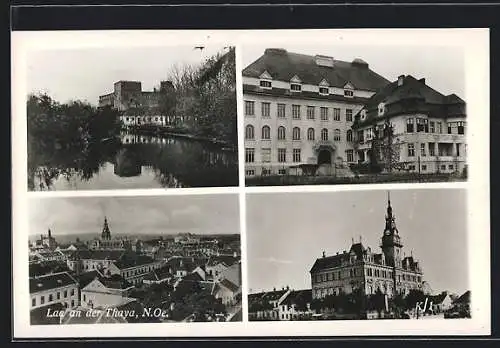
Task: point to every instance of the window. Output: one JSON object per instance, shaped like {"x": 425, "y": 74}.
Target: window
{"x": 310, "y": 112}
{"x": 265, "y": 84}
{"x": 411, "y": 167}
{"x": 323, "y": 91}
{"x": 458, "y": 149}
{"x": 265, "y": 155}
{"x": 324, "y": 134}
{"x": 295, "y": 87}
{"x": 440, "y": 128}
{"x": 348, "y": 115}
{"x": 369, "y": 134}
{"x": 249, "y": 108}
{"x": 422, "y": 125}
{"x": 249, "y": 155}
{"x": 42, "y": 299}
{"x": 266, "y": 171}
{"x": 249, "y": 132}
{"x": 361, "y": 137}
{"x": 324, "y": 113}
{"x": 432, "y": 126}
{"x": 33, "y": 302}
{"x": 266, "y": 133}
{"x": 449, "y": 128}
{"x": 432, "y": 151}
{"x": 281, "y": 155}
{"x": 72, "y": 303}
{"x": 349, "y": 135}
{"x": 281, "y": 110}
{"x": 266, "y": 109}
{"x": 58, "y": 295}
{"x": 281, "y": 171}
{"x": 409, "y": 125}
{"x": 50, "y": 298}
{"x": 460, "y": 127}
{"x": 443, "y": 167}
{"x": 249, "y": 172}
{"x": 348, "y": 93}
{"x": 281, "y": 133}
{"x": 350, "y": 155}
{"x": 310, "y": 134}
{"x": 450, "y": 167}
{"x": 422, "y": 150}
{"x": 336, "y": 114}
{"x": 296, "y": 112}
{"x": 411, "y": 150}
{"x": 381, "y": 109}
{"x": 336, "y": 135}
{"x": 296, "y": 133}
{"x": 296, "y": 155}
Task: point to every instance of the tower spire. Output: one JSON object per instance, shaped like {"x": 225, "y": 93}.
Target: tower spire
{"x": 106, "y": 233}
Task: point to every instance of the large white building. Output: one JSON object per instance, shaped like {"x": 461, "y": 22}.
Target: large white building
{"x": 315, "y": 114}
{"x": 299, "y": 109}
{"x": 428, "y": 129}
{"x": 57, "y": 288}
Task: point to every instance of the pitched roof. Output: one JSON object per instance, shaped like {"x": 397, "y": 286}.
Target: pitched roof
{"x": 298, "y": 297}
{"x": 228, "y": 260}
{"x": 328, "y": 262}
{"x": 274, "y": 295}
{"x": 464, "y": 298}
{"x": 431, "y": 101}
{"x": 438, "y": 299}
{"x": 229, "y": 285}
{"x": 86, "y": 278}
{"x": 283, "y": 66}
{"x": 127, "y": 261}
{"x": 51, "y": 281}
{"x": 97, "y": 254}
{"x": 115, "y": 281}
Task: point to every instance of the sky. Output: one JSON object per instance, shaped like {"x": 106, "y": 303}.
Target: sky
{"x": 87, "y": 73}
{"x": 287, "y": 232}
{"x": 201, "y": 214}
{"x": 442, "y": 67}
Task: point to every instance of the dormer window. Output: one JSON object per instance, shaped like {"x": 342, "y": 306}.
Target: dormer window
{"x": 348, "y": 90}
{"x": 265, "y": 80}
{"x": 295, "y": 84}
{"x": 363, "y": 114}
{"x": 381, "y": 109}
{"x": 323, "y": 87}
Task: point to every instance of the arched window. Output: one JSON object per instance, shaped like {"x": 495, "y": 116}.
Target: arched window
{"x": 281, "y": 133}
{"x": 296, "y": 133}
{"x": 310, "y": 134}
{"x": 266, "y": 132}
{"x": 324, "y": 134}
{"x": 249, "y": 132}
{"x": 349, "y": 135}
{"x": 336, "y": 135}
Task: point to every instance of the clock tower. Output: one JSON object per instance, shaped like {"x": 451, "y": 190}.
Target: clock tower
{"x": 391, "y": 242}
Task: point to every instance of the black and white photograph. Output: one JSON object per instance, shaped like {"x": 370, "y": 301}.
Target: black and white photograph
{"x": 143, "y": 259}
{"x": 132, "y": 118}
{"x": 354, "y": 114}
{"x": 353, "y": 255}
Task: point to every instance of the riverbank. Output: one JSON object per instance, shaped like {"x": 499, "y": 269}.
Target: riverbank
{"x": 180, "y": 133}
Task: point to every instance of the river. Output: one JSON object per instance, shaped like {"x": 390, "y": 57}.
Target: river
{"x": 134, "y": 162}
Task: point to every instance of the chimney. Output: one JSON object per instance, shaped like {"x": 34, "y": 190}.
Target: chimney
{"x": 400, "y": 80}
{"x": 422, "y": 80}
{"x": 323, "y": 253}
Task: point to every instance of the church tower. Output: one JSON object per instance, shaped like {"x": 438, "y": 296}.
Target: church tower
{"x": 106, "y": 233}
{"x": 391, "y": 242}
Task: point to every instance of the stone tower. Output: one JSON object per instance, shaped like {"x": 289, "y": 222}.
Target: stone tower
{"x": 391, "y": 242}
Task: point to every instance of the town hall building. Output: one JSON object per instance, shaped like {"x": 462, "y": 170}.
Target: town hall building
{"x": 361, "y": 268}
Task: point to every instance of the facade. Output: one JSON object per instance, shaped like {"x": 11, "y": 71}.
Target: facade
{"x": 104, "y": 292}
{"x": 50, "y": 289}
{"x": 138, "y": 106}
{"x": 227, "y": 292}
{"x": 427, "y": 129}
{"x": 266, "y": 305}
{"x": 389, "y": 272}
{"x": 299, "y": 110}
{"x": 296, "y": 304}
{"x": 134, "y": 268}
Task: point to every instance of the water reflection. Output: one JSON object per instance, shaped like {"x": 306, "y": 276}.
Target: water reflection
{"x": 133, "y": 161}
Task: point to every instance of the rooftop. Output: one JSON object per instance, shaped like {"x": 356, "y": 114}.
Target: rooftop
{"x": 283, "y": 65}
{"x": 51, "y": 281}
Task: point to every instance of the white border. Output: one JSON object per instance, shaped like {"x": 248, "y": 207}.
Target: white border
{"x": 475, "y": 43}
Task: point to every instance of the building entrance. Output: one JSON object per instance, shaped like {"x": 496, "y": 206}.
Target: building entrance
{"x": 324, "y": 157}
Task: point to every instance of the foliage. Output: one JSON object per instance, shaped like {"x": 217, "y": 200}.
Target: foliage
{"x": 190, "y": 299}
{"x": 205, "y": 96}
